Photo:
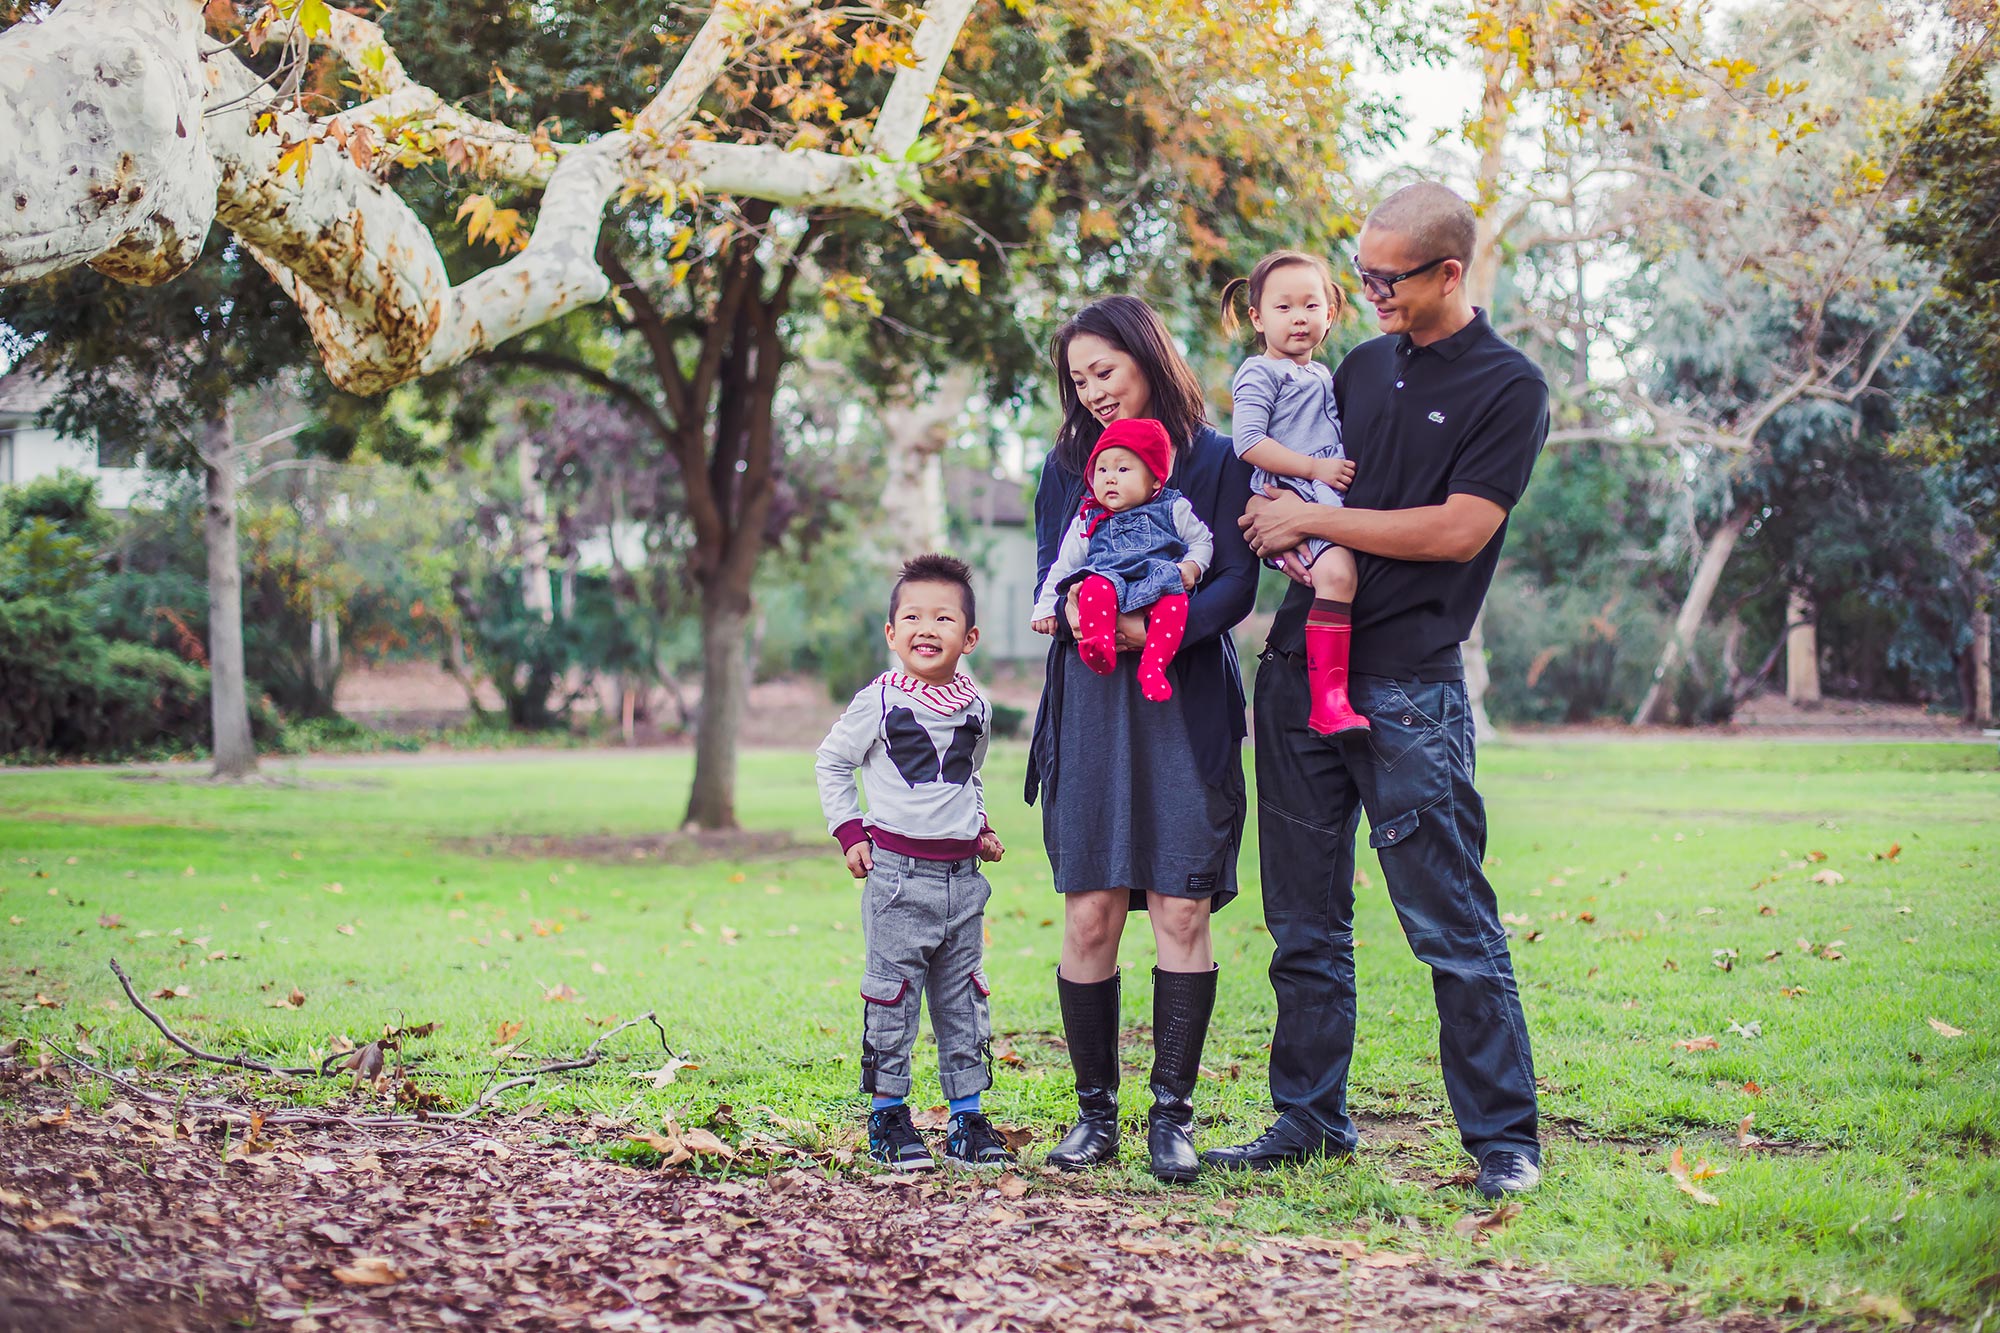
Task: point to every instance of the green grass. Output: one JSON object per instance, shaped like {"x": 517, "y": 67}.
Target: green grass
{"x": 1887, "y": 1187}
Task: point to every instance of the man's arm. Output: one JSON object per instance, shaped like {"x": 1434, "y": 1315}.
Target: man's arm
{"x": 1456, "y": 530}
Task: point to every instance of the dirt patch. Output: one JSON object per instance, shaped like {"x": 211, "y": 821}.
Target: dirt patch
{"x": 691, "y": 847}
{"x": 97, "y": 819}
{"x": 121, "y": 1220}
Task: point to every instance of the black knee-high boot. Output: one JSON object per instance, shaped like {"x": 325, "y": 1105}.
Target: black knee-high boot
{"x": 1090, "y": 1026}
{"x": 1182, "y": 1004}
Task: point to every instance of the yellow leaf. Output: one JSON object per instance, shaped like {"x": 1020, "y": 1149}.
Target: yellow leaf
{"x": 680, "y": 245}
{"x": 1944, "y": 1029}
{"x": 296, "y": 158}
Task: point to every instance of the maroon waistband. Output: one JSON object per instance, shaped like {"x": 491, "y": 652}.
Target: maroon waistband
{"x": 924, "y": 849}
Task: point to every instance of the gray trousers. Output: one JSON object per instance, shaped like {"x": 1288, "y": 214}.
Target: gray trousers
{"x": 925, "y": 923}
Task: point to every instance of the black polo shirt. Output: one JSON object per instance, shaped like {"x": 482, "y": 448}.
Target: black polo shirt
{"x": 1465, "y": 415}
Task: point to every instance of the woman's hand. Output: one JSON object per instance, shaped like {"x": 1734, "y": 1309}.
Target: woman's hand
{"x": 1131, "y": 631}
{"x": 1044, "y": 625}
{"x": 1276, "y": 524}
{"x": 1293, "y": 565}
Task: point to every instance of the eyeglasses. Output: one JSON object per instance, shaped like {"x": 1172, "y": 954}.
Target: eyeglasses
{"x": 1382, "y": 286}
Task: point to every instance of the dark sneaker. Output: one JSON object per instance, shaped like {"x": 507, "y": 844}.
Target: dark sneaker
{"x": 894, "y": 1141}
{"x": 972, "y": 1141}
{"x": 1502, "y": 1172}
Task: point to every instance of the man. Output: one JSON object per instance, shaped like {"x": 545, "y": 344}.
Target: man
{"x": 1444, "y": 420}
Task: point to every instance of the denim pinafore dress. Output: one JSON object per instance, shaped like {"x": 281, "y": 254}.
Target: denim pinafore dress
{"x": 1139, "y": 550}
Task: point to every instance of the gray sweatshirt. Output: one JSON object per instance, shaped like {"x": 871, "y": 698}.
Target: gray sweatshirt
{"x": 1280, "y": 400}
{"x": 917, "y": 749}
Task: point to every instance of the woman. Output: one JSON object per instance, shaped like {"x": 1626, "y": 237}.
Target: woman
{"x": 1144, "y": 802}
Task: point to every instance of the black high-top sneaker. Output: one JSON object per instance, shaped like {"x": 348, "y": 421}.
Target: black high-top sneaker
{"x": 972, "y": 1141}
{"x": 894, "y": 1141}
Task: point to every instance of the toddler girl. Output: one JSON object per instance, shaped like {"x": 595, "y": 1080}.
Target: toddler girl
{"x": 1135, "y": 543}
{"x": 1288, "y": 427}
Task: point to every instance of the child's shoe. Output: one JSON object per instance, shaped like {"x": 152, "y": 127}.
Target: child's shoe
{"x": 894, "y": 1141}
{"x": 972, "y": 1141}
{"x": 1326, "y": 671}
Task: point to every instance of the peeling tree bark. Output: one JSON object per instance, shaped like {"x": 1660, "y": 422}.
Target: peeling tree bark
{"x": 133, "y": 193}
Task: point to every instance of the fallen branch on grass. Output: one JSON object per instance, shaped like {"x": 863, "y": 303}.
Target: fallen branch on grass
{"x": 592, "y": 1055}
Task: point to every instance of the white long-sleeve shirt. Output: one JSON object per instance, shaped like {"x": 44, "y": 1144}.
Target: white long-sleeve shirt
{"x": 1074, "y": 552}
{"x": 917, "y": 749}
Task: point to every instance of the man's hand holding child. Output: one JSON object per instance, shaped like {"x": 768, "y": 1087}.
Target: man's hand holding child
{"x": 861, "y": 859}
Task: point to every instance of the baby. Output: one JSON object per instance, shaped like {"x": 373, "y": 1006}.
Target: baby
{"x": 1135, "y": 543}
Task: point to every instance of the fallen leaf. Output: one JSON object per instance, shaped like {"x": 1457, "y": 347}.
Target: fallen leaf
{"x": 937, "y": 1117}
{"x": 110, "y": 920}
{"x": 1003, "y": 1216}
{"x": 1895, "y": 850}
{"x": 558, "y": 993}
{"x": 1684, "y": 1180}
{"x": 668, "y": 1145}
{"x": 1753, "y": 1088}
{"x": 172, "y": 993}
{"x": 1515, "y": 919}
{"x": 1744, "y": 1138}
{"x": 1011, "y": 1186}
{"x": 40, "y": 1222}
{"x": 334, "y": 1232}
{"x": 703, "y": 1142}
{"x": 1748, "y": 1031}
{"x": 1394, "y": 1258}
{"x": 1724, "y": 959}
{"x": 1473, "y": 1224}
{"x": 1016, "y": 1137}
{"x": 1702, "y": 1043}
{"x": 505, "y": 1033}
{"x": 666, "y": 1073}
{"x": 1944, "y": 1029}
{"x": 344, "y": 928}
{"x": 1883, "y": 1307}
{"x": 1815, "y": 856}
{"x": 369, "y": 1271}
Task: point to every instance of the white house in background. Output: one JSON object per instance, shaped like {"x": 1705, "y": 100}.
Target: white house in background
{"x": 994, "y": 527}
{"x": 29, "y": 452}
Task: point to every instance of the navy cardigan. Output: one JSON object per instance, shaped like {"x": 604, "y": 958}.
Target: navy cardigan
{"x": 1209, "y": 688}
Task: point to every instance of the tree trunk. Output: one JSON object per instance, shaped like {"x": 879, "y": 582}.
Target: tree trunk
{"x": 537, "y": 597}
{"x": 229, "y": 701}
{"x": 725, "y": 689}
{"x": 1801, "y": 650}
{"x": 1477, "y": 680}
{"x": 1707, "y": 575}
{"x": 1979, "y": 708}
{"x": 912, "y": 514}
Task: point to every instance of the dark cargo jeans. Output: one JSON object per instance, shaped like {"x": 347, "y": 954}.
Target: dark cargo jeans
{"x": 1413, "y": 775}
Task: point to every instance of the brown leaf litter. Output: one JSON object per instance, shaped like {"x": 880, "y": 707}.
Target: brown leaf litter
{"x": 130, "y": 1219}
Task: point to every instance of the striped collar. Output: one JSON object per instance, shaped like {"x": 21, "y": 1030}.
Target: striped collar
{"x": 953, "y": 696}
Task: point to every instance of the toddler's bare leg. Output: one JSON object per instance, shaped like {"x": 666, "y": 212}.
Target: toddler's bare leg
{"x": 1334, "y": 576}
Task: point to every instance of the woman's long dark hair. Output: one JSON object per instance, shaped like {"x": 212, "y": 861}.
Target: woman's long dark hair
{"x": 1135, "y": 328}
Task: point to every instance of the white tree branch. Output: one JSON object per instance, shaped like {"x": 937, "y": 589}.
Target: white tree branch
{"x": 135, "y": 196}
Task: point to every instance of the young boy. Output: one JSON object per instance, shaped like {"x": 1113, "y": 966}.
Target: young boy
{"x": 916, "y": 738}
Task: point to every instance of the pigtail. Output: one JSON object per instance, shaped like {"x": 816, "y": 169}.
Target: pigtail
{"x": 1230, "y": 324}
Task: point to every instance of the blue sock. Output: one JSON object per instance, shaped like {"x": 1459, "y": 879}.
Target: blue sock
{"x": 881, "y": 1102}
{"x": 960, "y": 1105}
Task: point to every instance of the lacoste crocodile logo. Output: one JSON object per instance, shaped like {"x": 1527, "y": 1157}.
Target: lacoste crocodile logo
{"x": 1438, "y": 417}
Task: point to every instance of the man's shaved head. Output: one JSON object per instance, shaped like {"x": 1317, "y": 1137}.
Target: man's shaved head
{"x": 1434, "y": 220}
